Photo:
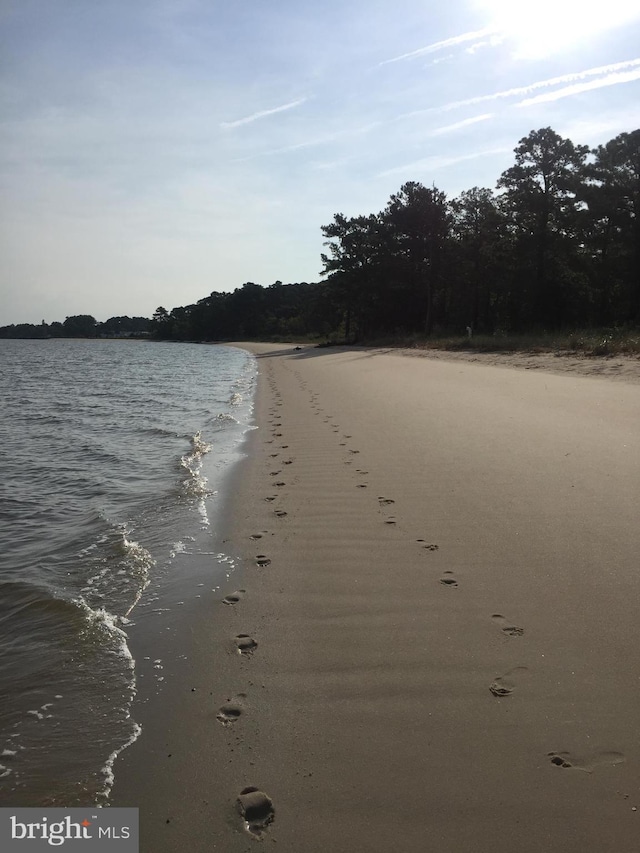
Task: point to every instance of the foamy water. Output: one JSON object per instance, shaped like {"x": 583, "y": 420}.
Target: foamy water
{"x": 114, "y": 458}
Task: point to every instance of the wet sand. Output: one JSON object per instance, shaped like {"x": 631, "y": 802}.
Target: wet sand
{"x": 433, "y": 641}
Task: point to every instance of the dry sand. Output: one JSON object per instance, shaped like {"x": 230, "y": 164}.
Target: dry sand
{"x": 442, "y": 575}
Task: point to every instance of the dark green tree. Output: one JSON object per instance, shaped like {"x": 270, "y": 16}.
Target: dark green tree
{"x": 613, "y": 199}
{"x": 544, "y": 192}
{"x": 416, "y": 221}
{"x": 478, "y": 260}
{"x": 80, "y": 326}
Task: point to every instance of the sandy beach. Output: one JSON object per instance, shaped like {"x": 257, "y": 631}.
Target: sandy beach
{"x": 432, "y": 641}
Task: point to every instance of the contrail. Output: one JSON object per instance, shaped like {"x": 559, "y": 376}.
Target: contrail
{"x": 577, "y": 88}
{"x": 442, "y": 45}
{"x": 262, "y": 114}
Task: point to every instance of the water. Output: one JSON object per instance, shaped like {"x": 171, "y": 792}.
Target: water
{"x": 114, "y": 456}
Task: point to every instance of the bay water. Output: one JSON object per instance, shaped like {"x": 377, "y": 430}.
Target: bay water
{"x": 114, "y": 459}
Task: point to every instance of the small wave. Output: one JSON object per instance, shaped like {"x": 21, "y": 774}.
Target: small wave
{"x": 235, "y": 399}
{"x": 118, "y": 570}
{"x": 200, "y": 446}
{"x": 226, "y": 418}
{"x": 107, "y": 770}
{"x": 195, "y": 484}
{"x": 100, "y": 625}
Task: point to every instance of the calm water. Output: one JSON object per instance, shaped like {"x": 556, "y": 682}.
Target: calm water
{"x": 113, "y": 456}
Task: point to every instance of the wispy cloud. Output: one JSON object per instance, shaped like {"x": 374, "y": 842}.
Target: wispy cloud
{"x": 324, "y": 139}
{"x": 494, "y": 41}
{"x": 442, "y": 45}
{"x": 440, "y": 59}
{"x": 262, "y": 114}
{"x": 577, "y": 88}
{"x": 433, "y": 164}
{"x": 603, "y": 71}
{"x": 449, "y": 128}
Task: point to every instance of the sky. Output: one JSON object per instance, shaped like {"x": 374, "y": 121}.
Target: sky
{"x": 154, "y": 151}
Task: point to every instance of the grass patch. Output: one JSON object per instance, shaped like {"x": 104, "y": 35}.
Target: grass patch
{"x": 587, "y": 342}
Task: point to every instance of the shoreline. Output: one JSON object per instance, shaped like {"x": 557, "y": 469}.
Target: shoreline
{"x": 444, "y": 622}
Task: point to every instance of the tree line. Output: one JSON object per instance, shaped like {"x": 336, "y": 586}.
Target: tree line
{"x": 558, "y": 246}
{"x": 80, "y": 326}
{"x": 555, "y": 246}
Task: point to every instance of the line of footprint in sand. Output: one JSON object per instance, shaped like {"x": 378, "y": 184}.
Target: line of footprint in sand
{"x": 255, "y": 806}
{"x": 503, "y": 685}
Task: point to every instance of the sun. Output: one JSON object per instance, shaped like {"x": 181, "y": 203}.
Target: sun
{"x": 551, "y": 26}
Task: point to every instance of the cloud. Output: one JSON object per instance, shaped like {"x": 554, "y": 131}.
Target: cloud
{"x": 433, "y": 164}
{"x": 577, "y": 88}
{"x": 464, "y": 123}
{"x": 262, "y": 114}
{"x": 494, "y": 41}
{"x": 532, "y": 87}
{"x": 440, "y": 59}
{"x": 442, "y": 45}
{"x": 324, "y": 139}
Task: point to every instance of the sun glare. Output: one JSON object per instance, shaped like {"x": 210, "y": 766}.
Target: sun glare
{"x": 550, "y": 26}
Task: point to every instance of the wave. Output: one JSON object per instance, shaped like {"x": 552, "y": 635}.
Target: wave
{"x": 225, "y": 417}
{"x": 195, "y": 484}
{"x": 57, "y": 646}
{"x": 116, "y": 569}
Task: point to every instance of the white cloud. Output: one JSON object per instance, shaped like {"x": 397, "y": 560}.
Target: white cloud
{"x": 578, "y": 88}
{"x": 540, "y": 84}
{"x": 262, "y": 114}
{"x": 434, "y": 164}
{"x": 442, "y": 45}
{"x": 449, "y": 128}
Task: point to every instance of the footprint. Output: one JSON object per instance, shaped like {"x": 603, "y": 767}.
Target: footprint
{"x": 256, "y": 536}
{"x": 288, "y": 461}
{"x": 246, "y": 645}
{"x": 262, "y": 561}
{"x": 385, "y": 501}
{"x": 504, "y": 686}
{"x": 448, "y": 579}
{"x": 280, "y": 513}
{"x": 390, "y": 521}
{"x": 270, "y": 499}
{"x": 232, "y": 710}
{"x": 354, "y": 451}
{"x": 588, "y": 764}
{"x": 234, "y": 597}
{"x": 257, "y": 810}
{"x": 361, "y": 486}
{"x": 506, "y": 626}
{"x": 281, "y": 484}
{"x": 424, "y": 544}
